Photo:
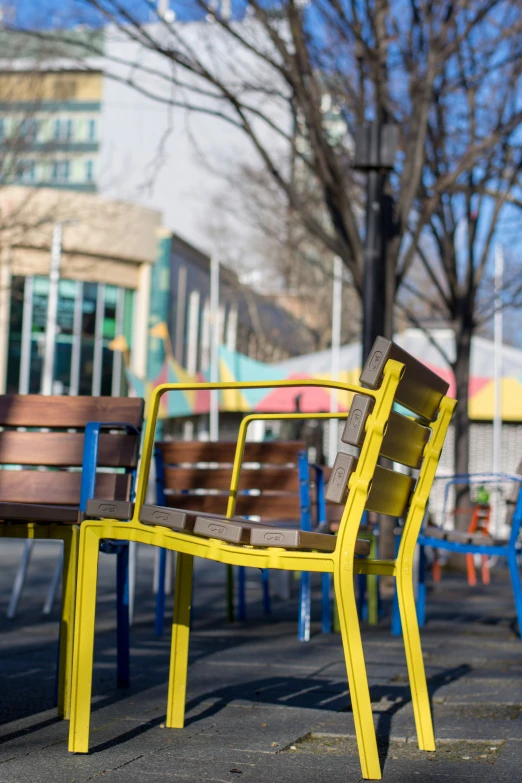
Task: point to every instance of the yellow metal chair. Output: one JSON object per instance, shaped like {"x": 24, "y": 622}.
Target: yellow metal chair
{"x": 359, "y": 486}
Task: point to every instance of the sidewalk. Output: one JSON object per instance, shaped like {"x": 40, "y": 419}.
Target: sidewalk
{"x": 262, "y": 707}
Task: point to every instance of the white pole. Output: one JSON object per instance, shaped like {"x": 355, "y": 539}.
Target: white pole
{"x": 333, "y": 429}
{"x": 497, "y": 370}
{"x": 52, "y": 308}
{"x": 214, "y": 348}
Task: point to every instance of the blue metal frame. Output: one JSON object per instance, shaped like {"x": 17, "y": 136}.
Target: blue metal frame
{"x": 508, "y": 550}
{"x": 87, "y": 491}
{"x": 326, "y": 579}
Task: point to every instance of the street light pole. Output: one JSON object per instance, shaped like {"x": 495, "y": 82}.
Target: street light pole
{"x": 375, "y": 147}
{"x": 214, "y": 347}
{"x": 52, "y": 310}
{"x": 333, "y": 429}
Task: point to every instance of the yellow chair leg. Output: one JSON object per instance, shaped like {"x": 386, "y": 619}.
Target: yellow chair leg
{"x": 71, "y": 541}
{"x": 81, "y": 685}
{"x": 416, "y": 672}
{"x": 357, "y": 678}
{"x": 180, "y": 642}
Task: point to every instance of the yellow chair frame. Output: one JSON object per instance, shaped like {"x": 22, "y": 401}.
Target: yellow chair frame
{"x": 341, "y": 563}
{"x": 70, "y": 535}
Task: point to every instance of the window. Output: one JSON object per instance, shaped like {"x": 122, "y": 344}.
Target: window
{"x": 28, "y": 130}
{"x": 61, "y": 170}
{"x": 91, "y": 130}
{"x": 89, "y": 171}
{"x": 63, "y": 130}
{"x": 26, "y": 170}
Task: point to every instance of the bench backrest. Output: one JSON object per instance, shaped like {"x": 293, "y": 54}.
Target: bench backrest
{"x": 41, "y": 447}
{"x": 412, "y": 437}
{"x": 196, "y": 476}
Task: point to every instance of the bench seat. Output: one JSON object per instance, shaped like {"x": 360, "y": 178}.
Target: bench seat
{"x": 240, "y": 531}
{"x": 458, "y": 536}
{"x": 38, "y": 512}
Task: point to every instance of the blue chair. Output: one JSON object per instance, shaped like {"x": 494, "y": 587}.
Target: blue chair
{"x": 472, "y": 543}
{"x": 305, "y": 502}
{"x": 120, "y": 549}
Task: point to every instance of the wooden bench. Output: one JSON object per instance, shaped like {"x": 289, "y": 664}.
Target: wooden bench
{"x": 390, "y": 377}
{"x": 274, "y": 485}
{"x": 50, "y": 448}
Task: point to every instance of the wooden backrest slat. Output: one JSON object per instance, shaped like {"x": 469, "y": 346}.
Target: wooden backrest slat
{"x": 280, "y": 479}
{"x": 65, "y": 449}
{"x": 420, "y": 390}
{"x": 389, "y": 493}
{"x": 278, "y": 507}
{"x": 404, "y": 440}
{"x": 58, "y": 487}
{"x": 36, "y": 410}
{"x": 223, "y": 452}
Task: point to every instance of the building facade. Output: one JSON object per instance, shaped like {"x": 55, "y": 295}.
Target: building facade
{"x": 50, "y": 128}
{"x": 248, "y": 322}
{"x": 107, "y": 253}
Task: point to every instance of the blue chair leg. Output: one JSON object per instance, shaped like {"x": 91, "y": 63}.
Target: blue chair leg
{"x": 326, "y": 603}
{"x": 265, "y": 584}
{"x": 303, "y": 631}
{"x": 241, "y": 593}
{"x": 421, "y": 589}
{"x": 362, "y": 608}
{"x": 396, "y": 628}
{"x": 159, "y": 620}
{"x": 122, "y": 616}
{"x": 517, "y": 588}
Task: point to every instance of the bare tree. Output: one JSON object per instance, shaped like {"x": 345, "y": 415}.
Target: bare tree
{"x": 447, "y": 72}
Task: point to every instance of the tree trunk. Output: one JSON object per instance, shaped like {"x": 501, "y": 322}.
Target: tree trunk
{"x": 461, "y": 370}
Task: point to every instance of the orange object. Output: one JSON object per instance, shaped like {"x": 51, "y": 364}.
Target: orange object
{"x": 479, "y": 522}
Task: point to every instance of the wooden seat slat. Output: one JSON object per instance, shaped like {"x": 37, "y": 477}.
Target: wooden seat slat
{"x": 65, "y": 449}
{"x": 36, "y": 410}
{"x": 458, "y": 536}
{"x": 238, "y": 531}
{"x": 33, "y": 512}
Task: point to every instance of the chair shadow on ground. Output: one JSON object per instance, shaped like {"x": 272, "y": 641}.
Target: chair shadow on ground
{"x": 328, "y": 694}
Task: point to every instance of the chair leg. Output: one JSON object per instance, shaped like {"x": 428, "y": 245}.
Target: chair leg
{"x": 53, "y": 587}
{"x": 357, "y": 677}
{"x": 265, "y": 585}
{"x": 421, "y": 589}
{"x": 241, "y": 593}
{"x": 71, "y": 541}
{"x": 417, "y": 675}
{"x": 159, "y": 621}
{"x": 180, "y": 642}
{"x": 517, "y": 588}
{"x": 326, "y": 603}
{"x": 133, "y": 565}
{"x": 122, "y": 615}
{"x": 303, "y": 629}
{"x": 20, "y": 577}
{"x": 81, "y": 679}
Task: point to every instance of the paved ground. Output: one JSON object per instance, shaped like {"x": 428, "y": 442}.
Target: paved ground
{"x": 262, "y": 707}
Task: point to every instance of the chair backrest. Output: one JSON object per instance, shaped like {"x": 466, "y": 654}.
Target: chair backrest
{"x": 41, "y": 447}
{"x": 413, "y": 437}
{"x": 196, "y": 476}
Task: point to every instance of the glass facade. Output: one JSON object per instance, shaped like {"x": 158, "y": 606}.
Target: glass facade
{"x": 89, "y": 316}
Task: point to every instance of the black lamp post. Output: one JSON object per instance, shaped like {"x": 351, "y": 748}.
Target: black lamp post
{"x": 375, "y": 147}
